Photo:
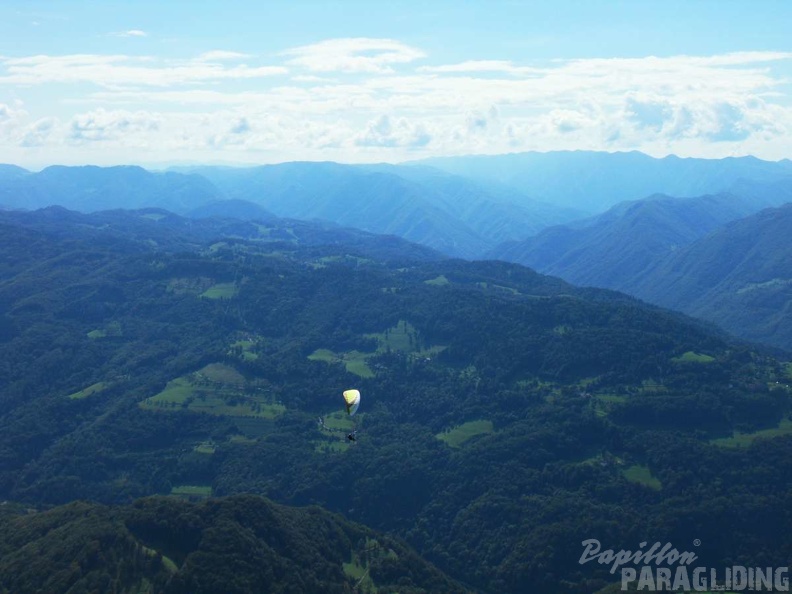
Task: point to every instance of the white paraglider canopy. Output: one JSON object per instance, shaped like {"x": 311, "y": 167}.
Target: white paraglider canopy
{"x": 352, "y": 400}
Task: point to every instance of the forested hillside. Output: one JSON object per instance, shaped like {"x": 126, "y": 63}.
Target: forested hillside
{"x": 616, "y": 247}
{"x": 236, "y": 545}
{"x": 739, "y": 277}
{"x": 712, "y": 257}
{"x": 506, "y": 416}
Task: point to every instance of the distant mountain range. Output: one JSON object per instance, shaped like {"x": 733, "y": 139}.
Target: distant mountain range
{"x": 90, "y": 189}
{"x": 464, "y": 207}
{"x": 595, "y": 181}
{"x": 612, "y": 249}
{"x": 445, "y": 212}
{"x": 681, "y": 254}
{"x": 9, "y": 172}
{"x": 526, "y": 208}
{"x": 739, "y": 276}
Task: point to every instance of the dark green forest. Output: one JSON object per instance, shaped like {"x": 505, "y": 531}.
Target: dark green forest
{"x": 506, "y": 416}
{"x": 232, "y": 545}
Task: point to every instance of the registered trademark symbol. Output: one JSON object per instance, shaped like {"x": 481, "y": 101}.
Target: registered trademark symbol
{"x": 697, "y": 543}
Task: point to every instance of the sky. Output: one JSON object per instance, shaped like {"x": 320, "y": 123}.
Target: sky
{"x": 244, "y": 82}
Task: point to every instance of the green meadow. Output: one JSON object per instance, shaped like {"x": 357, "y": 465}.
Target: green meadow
{"x": 438, "y": 281}
{"x": 244, "y": 349}
{"x": 203, "y": 286}
{"x": 176, "y": 392}
{"x": 338, "y": 421}
{"x": 603, "y": 403}
{"x": 743, "y": 440}
{"x": 330, "y": 447}
{"x": 402, "y": 337}
{"x": 89, "y": 391}
{"x": 205, "y": 447}
{"x": 500, "y": 288}
{"x": 458, "y": 435}
{"x": 241, "y": 439}
{"x": 189, "y": 285}
{"x": 112, "y": 329}
{"x": 336, "y": 427}
{"x": 405, "y": 338}
{"x": 216, "y": 389}
{"x": 691, "y": 357}
{"x": 215, "y": 247}
{"x": 167, "y": 562}
{"x": 220, "y": 291}
{"x": 642, "y": 476}
{"x": 353, "y": 361}
{"x": 192, "y": 491}
{"x": 221, "y": 373}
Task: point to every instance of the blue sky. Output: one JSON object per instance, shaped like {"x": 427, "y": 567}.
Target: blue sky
{"x": 259, "y": 82}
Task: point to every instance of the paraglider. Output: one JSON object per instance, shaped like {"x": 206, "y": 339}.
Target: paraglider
{"x": 352, "y": 400}
{"x": 351, "y": 405}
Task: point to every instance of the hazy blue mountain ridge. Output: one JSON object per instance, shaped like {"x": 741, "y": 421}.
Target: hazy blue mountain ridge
{"x": 435, "y": 209}
{"x": 445, "y": 212}
{"x": 614, "y": 248}
{"x": 8, "y": 172}
{"x": 492, "y": 209}
{"x": 464, "y": 210}
{"x": 595, "y": 181}
{"x": 90, "y": 189}
{"x": 764, "y": 194}
{"x": 739, "y": 276}
{"x": 243, "y": 210}
{"x": 646, "y": 248}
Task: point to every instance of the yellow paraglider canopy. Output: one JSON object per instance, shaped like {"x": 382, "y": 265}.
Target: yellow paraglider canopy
{"x": 352, "y": 400}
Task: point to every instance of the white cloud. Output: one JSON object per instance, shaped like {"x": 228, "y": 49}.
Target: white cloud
{"x": 220, "y": 55}
{"x": 12, "y": 119}
{"x": 501, "y": 66}
{"x": 125, "y": 127}
{"x": 383, "y": 132}
{"x": 356, "y": 54}
{"x": 713, "y": 119}
{"x": 123, "y": 71}
{"x": 130, "y": 33}
{"x": 647, "y": 111}
{"x": 565, "y": 121}
{"x": 364, "y": 110}
{"x": 38, "y": 133}
{"x": 312, "y": 78}
{"x": 5, "y": 113}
